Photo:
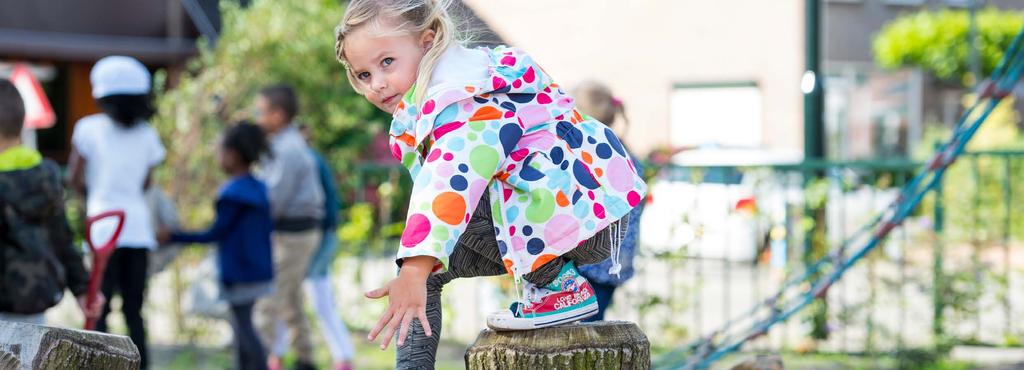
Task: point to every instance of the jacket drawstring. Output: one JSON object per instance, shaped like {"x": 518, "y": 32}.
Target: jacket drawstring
{"x": 616, "y": 243}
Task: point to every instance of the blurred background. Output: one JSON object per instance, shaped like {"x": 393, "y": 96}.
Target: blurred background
{"x": 772, "y": 131}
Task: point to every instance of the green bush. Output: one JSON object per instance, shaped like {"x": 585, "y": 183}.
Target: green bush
{"x": 937, "y": 41}
{"x": 269, "y": 42}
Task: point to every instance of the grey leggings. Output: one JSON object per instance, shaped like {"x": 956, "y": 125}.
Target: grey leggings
{"x": 477, "y": 255}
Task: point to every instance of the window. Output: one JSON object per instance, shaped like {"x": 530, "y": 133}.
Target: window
{"x": 873, "y": 114}
{"x": 727, "y": 114}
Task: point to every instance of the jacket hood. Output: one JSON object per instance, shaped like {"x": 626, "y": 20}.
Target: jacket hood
{"x": 510, "y": 71}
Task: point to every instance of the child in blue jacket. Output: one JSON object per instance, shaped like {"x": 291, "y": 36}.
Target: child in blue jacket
{"x": 242, "y": 232}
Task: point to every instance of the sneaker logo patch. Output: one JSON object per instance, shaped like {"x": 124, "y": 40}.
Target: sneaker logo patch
{"x": 570, "y": 285}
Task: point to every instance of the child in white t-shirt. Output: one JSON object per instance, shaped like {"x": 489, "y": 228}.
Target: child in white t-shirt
{"x": 112, "y": 159}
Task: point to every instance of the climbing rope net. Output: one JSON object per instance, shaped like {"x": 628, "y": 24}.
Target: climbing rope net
{"x": 802, "y": 289}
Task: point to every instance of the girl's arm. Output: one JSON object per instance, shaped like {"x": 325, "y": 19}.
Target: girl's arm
{"x": 227, "y": 212}
{"x": 76, "y": 172}
{"x": 440, "y": 205}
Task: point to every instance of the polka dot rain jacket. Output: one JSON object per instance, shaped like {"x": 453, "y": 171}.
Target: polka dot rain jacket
{"x": 555, "y": 176}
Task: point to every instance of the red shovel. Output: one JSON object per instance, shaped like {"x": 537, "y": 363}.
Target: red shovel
{"x": 100, "y": 255}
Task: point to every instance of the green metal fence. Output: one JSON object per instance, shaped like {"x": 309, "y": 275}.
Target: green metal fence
{"x": 949, "y": 275}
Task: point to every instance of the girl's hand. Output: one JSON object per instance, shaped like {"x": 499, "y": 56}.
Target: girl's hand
{"x": 163, "y": 236}
{"x": 407, "y": 300}
{"x": 92, "y": 312}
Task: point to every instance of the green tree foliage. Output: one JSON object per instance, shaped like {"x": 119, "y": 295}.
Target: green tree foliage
{"x": 937, "y": 41}
{"x": 269, "y": 42}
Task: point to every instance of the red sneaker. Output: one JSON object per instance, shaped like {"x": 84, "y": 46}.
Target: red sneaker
{"x": 567, "y": 299}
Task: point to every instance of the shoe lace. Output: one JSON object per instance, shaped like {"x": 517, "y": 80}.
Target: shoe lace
{"x": 518, "y": 312}
{"x": 532, "y": 293}
{"x": 526, "y": 297}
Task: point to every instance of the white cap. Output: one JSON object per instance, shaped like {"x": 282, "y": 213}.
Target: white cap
{"x": 117, "y": 75}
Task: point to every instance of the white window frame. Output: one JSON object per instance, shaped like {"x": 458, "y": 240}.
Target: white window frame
{"x": 693, "y": 106}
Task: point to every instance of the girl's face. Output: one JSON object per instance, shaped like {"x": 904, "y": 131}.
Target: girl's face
{"x": 385, "y": 64}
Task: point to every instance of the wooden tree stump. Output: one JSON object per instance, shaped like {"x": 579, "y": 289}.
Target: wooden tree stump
{"x": 25, "y": 346}
{"x": 598, "y": 346}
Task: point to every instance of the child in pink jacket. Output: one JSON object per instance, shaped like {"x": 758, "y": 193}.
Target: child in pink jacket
{"x": 508, "y": 176}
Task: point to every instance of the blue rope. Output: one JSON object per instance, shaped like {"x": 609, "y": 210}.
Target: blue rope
{"x": 705, "y": 351}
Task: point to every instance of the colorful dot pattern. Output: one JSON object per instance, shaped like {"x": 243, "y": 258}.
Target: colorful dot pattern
{"x": 555, "y": 177}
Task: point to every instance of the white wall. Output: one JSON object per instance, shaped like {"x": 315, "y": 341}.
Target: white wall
{"x": 642, "y": 48}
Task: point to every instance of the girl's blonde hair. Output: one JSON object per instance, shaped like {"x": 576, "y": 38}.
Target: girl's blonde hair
{"x": 596, "y": 100}
{"x": 416, "y": 16}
